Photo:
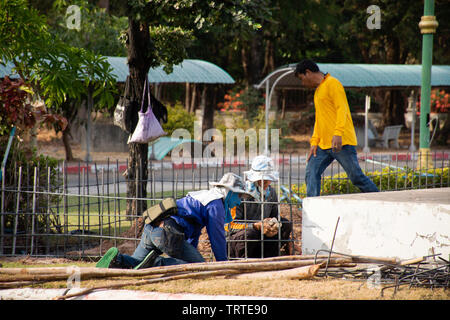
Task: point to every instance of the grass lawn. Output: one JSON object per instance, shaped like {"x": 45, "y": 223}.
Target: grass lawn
{"x": 88, "y": 218}
{"x": 99, "y": 215}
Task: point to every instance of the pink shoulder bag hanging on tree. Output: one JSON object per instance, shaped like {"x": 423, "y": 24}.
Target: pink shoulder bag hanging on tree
{"x": 148, "y": 127}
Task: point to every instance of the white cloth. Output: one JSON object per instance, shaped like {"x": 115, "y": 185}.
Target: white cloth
{"x": 206, "y": 196}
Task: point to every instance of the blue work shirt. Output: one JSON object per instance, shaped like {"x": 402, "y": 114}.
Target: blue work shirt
{"x": 193, "y": 216}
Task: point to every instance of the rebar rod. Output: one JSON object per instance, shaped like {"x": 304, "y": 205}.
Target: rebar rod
{"x": 332, "y": 244}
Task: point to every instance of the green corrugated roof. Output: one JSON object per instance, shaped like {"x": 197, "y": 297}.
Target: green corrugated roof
{"x": 350, "y": 75}
{"x": 190, "y": 70}
{"x": 385, "y": 75}
{"x": 367, "y": 75}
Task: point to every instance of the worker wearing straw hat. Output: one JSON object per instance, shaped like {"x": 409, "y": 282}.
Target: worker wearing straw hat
{"x": 259, "y": 215}
{"x": 199, "y": 209}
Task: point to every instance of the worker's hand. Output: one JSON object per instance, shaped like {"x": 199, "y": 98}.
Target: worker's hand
{"x": 336, "y": 143}
{"x": 257, "y": 226}
{"x": 270, "y": 226}
{"x": 312, "y": 152}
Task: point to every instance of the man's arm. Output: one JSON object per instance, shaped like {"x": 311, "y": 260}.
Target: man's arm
{"x": 314, "y": 141}
{"x": 215, "y": 230}
{"x": 238, "y": 214}
{"x": 336, "y": 143}
{"x": 339, "y": 97}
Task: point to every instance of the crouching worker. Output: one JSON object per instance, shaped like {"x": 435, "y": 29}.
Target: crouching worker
{"x": 175, "y": 231}
{"x": 260, "y": 231}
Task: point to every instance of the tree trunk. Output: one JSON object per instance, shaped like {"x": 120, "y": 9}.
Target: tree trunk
{"x": 443, "y": 134}
{"x": 139, "y": 64}
{"x": 394, "y": 103}
{"x": 244, "y": 62}
{"x": 208, "y": 110}
{"x": 269, "y": 57}
{"x": 65, "y": 139}
{"x": 394, "y": 108}
{"x": 187, "y": 99}
{"x": 71, "y": 111}
{"x": 252, "y": 59}
{"x": 193, "y": 98}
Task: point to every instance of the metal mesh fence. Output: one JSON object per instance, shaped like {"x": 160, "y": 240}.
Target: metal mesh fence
{"x": 81, "y": 211}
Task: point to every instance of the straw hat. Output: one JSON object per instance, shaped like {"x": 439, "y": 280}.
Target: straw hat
{"x": 231, "y": 181}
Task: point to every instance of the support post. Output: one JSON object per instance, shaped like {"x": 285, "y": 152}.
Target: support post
{"x": 427, "y": 25}
{"x": 366, "y": 148}
{"x": 266, "y": 144}
{"x": 90, "y": 105}
{"x": 412, "y": 101}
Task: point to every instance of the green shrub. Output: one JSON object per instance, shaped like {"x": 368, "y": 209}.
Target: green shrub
{"x": 47, "y": 178}
{"x": 387, "y": 179}
{"x": 179, "y": 118}
{"x": 240, "y": 121}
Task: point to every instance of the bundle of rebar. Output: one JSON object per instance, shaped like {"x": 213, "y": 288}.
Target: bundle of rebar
{"x": 430, "y": 271}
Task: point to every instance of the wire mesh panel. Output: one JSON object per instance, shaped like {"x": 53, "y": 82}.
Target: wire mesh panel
{"x": 81, "y": 211}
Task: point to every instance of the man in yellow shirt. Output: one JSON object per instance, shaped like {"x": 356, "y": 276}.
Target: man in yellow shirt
{"x": 334, "y": 136}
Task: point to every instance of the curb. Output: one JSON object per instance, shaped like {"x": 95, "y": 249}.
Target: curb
{"x": 212, "y": 163}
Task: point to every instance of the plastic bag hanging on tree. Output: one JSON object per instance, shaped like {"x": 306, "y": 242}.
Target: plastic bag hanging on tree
{"x": 148, "y": 127}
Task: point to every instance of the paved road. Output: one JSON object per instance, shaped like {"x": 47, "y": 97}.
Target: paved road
{"x": 164, "y": 178}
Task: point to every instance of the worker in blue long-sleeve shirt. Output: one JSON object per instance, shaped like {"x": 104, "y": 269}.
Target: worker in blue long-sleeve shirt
{"x": 177, "y": 235}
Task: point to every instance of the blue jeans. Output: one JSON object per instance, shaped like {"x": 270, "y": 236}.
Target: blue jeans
{"x": 348, "y": 160}
{"x": 151, "y": 240}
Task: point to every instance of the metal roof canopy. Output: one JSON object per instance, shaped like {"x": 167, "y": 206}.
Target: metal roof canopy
{"x": 364, "y": 75}
{"x": 189, "y": 71}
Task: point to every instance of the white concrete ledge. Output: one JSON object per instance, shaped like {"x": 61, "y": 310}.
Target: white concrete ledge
{"x": 402, "y": 224}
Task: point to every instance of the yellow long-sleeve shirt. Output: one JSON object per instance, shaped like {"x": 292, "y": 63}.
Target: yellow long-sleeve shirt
{"x": 333, "y": 116}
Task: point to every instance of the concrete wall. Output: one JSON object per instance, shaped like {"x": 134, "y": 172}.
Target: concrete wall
{"x": 402, "y": 224}
{"x": 105, "y": 137}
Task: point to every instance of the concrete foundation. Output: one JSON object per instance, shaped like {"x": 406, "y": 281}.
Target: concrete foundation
{"x": 402, "y": 224}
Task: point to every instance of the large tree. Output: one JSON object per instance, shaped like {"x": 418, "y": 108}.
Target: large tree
{"x": 158, "y": 33}
{"x": 397, "y": 41}
{"x": 57, "y": 71}
{"x": 97, "y": 32}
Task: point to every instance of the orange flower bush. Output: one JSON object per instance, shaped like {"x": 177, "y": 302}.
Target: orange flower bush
{"x": 232, "y": 102}
{"x": 439, "y": 101}
{"x": 249, "y": 101}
